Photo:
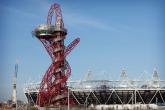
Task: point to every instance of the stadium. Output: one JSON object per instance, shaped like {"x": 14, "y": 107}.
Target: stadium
{"x": 92, "y": 93}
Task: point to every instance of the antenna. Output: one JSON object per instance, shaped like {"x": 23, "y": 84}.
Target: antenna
{"x": 14, "y": 95}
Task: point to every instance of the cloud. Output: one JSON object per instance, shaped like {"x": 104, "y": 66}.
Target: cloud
{"x": 9, "y": 10}
{"x": 24, "y": 11}
{"x": 71, "y": 19}
{"x": 86, "y": 21}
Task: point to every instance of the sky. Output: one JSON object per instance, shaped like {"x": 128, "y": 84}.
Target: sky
{"x": 114, "y": 34}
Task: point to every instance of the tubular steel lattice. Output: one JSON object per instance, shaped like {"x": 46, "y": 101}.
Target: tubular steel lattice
{"x": 53, "y": 89}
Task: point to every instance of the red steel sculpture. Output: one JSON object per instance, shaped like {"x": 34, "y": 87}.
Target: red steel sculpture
{"x": 53, "y": 89}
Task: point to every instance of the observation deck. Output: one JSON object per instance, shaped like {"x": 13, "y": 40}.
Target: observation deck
{"x": 45, "y": 31}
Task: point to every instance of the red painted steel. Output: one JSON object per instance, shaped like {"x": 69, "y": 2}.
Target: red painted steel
{"x": 53, "y": 89}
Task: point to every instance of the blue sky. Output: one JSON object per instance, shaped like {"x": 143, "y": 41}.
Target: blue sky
{"x": 114, "y": 34}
